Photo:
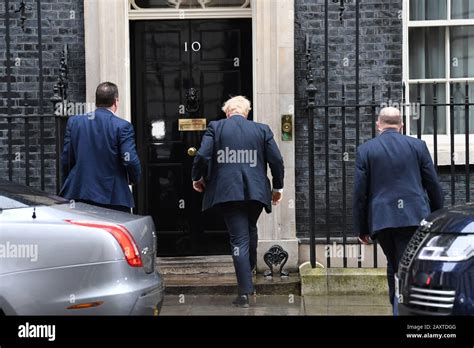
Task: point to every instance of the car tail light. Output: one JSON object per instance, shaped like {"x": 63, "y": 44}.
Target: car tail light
{"x": 123, "y": 237}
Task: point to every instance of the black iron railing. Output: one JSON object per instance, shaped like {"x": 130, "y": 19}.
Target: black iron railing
{"x": 356, "y": 123}
{"x": 33, "y": 147}
{"x": 31, "y": 136}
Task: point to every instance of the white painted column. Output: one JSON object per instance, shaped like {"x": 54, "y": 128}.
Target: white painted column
{"x": 273, "y": 25}
{"x": 107, "y": 49}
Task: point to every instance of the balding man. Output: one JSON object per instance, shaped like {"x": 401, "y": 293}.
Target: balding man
{"x": 395, "y": 187}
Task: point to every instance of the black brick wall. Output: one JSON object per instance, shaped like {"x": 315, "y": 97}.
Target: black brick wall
{"x": 459, "y": 182}
{"x": 62, "y": 22}
{"x": 380, "y": 64}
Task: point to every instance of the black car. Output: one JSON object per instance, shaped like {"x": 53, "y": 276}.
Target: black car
{"x": 436, "y": 273}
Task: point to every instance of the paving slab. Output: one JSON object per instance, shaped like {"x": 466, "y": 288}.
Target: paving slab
{"x": 276, "y": 305}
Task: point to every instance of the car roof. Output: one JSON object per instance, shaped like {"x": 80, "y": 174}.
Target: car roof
{"x": 456, "y": 219}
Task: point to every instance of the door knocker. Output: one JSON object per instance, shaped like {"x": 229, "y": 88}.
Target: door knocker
{"x": 192, "y": 100}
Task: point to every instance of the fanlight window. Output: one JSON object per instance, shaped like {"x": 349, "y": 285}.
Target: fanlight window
{"x": 188, "y": 4}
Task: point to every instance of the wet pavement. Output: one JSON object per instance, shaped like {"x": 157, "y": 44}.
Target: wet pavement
{"x": 184, "y": 305}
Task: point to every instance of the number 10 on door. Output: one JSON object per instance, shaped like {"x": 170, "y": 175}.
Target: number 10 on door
{"x": 195, "y": 46}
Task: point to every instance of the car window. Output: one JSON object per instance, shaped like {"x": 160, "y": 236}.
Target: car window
{"x": 8, "y": 203}
{"x": 469, "y": 228}
{"x": 14, "y": 196}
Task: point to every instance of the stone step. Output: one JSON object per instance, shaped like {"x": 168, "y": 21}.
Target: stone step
{"x": 225, "y": 284}
{"x": 190, "y": 265}
{"x": 342, "y": 281}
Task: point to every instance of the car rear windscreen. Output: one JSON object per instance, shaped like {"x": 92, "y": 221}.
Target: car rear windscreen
{"x": 14, "y": 196}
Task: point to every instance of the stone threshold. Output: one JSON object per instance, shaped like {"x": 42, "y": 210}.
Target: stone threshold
{"x": 220, "y": 264}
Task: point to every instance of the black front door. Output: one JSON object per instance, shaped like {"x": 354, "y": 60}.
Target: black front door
{"x": 183, "y": 70}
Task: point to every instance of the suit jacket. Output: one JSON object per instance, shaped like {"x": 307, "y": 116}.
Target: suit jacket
{"x": 99, "y": 159}
{"x": 395, "y": 183}
{"x": 233, "y": 161}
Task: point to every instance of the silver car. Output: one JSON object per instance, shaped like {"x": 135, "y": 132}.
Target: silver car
{"x": 64, "y": 258}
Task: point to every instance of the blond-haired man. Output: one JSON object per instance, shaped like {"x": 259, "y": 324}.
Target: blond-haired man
{"x": 231, "y": 169}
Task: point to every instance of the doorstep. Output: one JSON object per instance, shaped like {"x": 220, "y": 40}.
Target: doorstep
{"x": 201, "y": 275}
{"x": 226, "y": 284}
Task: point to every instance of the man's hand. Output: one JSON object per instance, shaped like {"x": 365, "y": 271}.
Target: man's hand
{"x": 199, "y": 186}
{"x": 276, "y": 197}
{"x": 364, "y": 239}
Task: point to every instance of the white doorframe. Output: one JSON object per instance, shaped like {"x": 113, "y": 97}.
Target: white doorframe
{"x": 108, "y": 59}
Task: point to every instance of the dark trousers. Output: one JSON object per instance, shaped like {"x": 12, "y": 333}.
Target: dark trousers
{"x": 394, "y": 242}
{"x": 107, "y": 206}
{"x": 241, "y": 221}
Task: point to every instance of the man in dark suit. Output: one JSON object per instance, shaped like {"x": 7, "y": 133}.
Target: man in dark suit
{"x": 395, "y": 187}
{"x": 231, "y": 169}
{"x": 99, "y": 158}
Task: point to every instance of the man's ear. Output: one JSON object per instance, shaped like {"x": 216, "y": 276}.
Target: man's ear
{"x": 116, "y": 105}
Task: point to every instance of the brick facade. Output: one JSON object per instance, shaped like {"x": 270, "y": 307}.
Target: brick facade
{"x": 62, "y": 23}
{"x": 380, "y": 66}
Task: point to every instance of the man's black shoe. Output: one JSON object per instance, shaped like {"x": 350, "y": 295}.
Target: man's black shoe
{"x": 241, "y": 301}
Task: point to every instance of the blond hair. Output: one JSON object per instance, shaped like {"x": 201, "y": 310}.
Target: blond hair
{"x": 237, "y": 105}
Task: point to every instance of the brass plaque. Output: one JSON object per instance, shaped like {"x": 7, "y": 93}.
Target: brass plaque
{"x": 192, "y": 124}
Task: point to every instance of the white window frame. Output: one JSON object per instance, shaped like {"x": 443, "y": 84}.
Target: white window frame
{"x": 444, "y": 143}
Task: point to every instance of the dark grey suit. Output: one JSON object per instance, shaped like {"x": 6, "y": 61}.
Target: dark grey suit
{"x": 395, "y": 187}
{"x": 396, "y": 184}
{"x": 228, "y": 181}
{"x": 233, "y": 159}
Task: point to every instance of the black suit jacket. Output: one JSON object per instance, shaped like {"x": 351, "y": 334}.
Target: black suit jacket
{"x": 233, "y": 160}
{"x": 395, "y": 183}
